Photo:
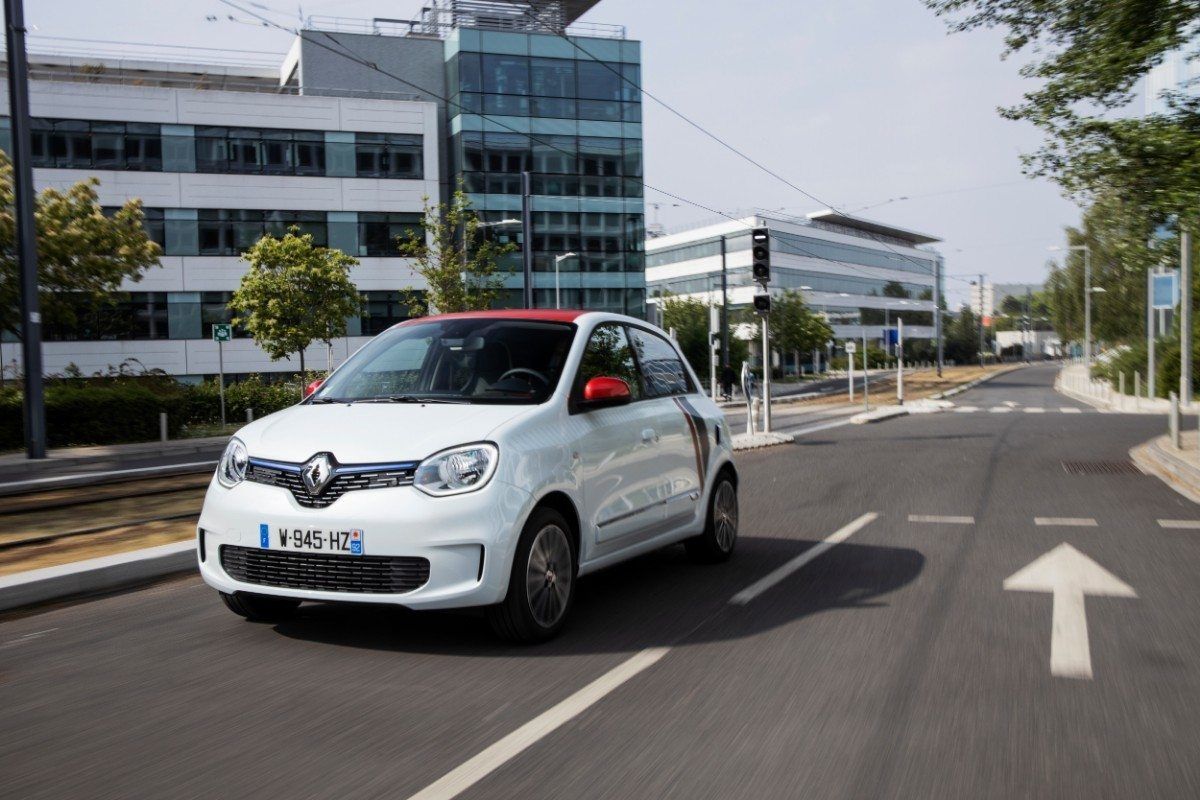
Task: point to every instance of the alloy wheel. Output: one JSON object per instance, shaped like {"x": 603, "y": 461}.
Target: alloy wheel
{"x": 725, "y": 516}
{"x": 548, "y": 575}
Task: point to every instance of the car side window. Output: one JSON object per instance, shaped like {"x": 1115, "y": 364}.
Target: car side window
{"x": 662, "y": 371}
{"x": 609, "y": 355}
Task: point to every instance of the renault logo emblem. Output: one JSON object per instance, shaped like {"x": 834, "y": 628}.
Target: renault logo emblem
{"x": 316, "y": 473}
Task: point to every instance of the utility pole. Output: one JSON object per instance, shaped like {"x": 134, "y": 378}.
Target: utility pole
{"x": 1151, "y": 333}
{"x": 527, "y": 236}
{"x": 937, "y": 310}
{"x": 981, "y": 339}
{"x": 1028, "y": 322}
{"x": 26, "y": 233}
{"x": 1185, "y": 317}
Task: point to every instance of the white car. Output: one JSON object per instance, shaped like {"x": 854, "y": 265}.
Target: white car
{"x": 475, "y": 459}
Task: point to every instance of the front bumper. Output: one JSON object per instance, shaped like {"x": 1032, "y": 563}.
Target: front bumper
{"x": 452, "y": 533}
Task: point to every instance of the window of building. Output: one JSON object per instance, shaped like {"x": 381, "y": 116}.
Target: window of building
{"x": 79, "y": 144}
{"x": 382, "y": 310}
{"x": 599, "y": 80}
{"x": 388, "y": 155}
{"x": 380, "y": 232}
{"x": 504, "y": 74}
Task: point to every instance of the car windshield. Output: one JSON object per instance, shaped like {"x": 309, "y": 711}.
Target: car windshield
{"x": 455, "y": 360}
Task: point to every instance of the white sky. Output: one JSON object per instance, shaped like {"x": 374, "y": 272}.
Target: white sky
{"x": 856, "y": 101}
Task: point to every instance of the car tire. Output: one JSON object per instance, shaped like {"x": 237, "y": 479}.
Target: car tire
{"x": 541, "y": 586}
{"x": 260, "y": 607}
{"x": 719, "y": 538}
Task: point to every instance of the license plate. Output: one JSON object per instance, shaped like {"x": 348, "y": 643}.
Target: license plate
{"x": 311, "y": 540}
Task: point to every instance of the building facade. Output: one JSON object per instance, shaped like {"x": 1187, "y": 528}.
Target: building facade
{"x": 362, "y": 124}
{"x": 860, "y": 275}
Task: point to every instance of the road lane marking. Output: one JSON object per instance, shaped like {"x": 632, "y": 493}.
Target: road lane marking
{"x": 763, "y": 584}
{"x": 1000, "y": 409}
{"x": 29, "y": 637}
{"x": 941, "y": 520}
{"x": 1011, "y": 404}
{"x": 966, "y": 409}
{"x": 1035, "y": 410}
{"x": 1070, "y": 410}
{"x": 1180, "y": 524}
{"x": 470, "y": 772}
{"x": 1069, "y": 576}
{"x": 1072, "y": 522}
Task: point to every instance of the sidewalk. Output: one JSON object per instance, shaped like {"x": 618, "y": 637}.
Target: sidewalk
{"x": 1074, "y": 382}
{"x": 73, "y": 462}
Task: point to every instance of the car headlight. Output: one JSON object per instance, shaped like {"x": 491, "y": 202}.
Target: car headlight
{"x": 231, "y": 469}
{"x": 457, "y": 470}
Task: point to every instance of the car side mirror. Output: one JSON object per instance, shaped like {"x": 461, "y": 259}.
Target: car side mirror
{"x": 601, "y": 392}
{"x": 312, "y": 387}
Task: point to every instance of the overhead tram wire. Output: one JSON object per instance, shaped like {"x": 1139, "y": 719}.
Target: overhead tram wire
{"x": 345, "y": 52}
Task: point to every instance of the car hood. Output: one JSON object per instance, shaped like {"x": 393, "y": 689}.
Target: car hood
{"x": 367, "y": 433}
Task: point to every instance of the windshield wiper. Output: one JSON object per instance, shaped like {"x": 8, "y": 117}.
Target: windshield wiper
{"x": 407, "y": 398}
{"x": 316, "y": 400}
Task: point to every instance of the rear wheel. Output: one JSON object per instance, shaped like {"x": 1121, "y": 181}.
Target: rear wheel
{"x": 260, "y": 607}
{"x": 721, "y": 528}
{"x": 542, "y": 584}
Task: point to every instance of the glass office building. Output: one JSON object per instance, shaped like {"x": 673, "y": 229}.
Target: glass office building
{"x": 567, "y": 109}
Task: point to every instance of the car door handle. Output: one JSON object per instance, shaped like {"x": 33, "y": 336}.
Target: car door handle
{"x": 649, "y": 435}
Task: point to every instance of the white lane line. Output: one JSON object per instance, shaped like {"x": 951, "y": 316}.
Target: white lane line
{"x": 1011, "y": 404}
{"x": 966, "y": 409}
{"x": 1180, "y": 524}
{"x": 1035, "y": 410}
{"x": 1070, "y": 410}
{"x": 934, "y": 518}
{"x": 1068, "y": 522}
{"x": 1000, "y": 409}
{"x": 763, "y": 584}
{"x": 26, "y": 638}
{"x": 463, "y": 777}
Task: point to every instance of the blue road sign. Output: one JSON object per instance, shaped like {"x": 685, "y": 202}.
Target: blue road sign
{"x": 1165, "y": 292}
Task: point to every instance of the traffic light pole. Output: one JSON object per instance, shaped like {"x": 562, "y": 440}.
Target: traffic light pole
{"x": 766, "y": 346}
{"x": 26, "y": 233}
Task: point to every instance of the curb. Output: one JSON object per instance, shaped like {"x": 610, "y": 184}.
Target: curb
{"x": 96, "y": 575}
{"x": 757, "y": 441}
{"x": 879, "y": 415}
{"x": 1157, "y": 458}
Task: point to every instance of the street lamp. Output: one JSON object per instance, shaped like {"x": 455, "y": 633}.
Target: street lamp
{"x": 558, "y": 260}
{"x": 1088, "y": 291}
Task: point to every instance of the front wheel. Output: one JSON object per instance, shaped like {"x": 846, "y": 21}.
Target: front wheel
{"x": 542, "y": 584}
{"x": 260, "y": 607}
{"x": 717, "y": 541}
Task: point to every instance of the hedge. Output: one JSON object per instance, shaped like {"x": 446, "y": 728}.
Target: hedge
{"x": 88, "y": 414}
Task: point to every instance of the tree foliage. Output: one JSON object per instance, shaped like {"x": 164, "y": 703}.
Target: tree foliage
{"x": 81, "y": 252}
{"x": 1087, "y": 59}
{"x": 688, "y": 316}
{"x": 294, "y": 294}
{"x": 795, "y": 328}
{"x": 458, "y": 262}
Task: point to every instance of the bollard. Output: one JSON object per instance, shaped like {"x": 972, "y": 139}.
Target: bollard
{"x": 1121, "y": 388}
{"x": 1173, "y": 421}
{"x": 249, "y": 415}
{"x": 1137, "y": 391}
{"x": 162, "y": 426}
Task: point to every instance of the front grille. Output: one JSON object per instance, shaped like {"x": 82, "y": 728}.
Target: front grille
{"x": 325, "y": 572}
{"x": 347, "y": 478}
{"x": 1100, "y": 468}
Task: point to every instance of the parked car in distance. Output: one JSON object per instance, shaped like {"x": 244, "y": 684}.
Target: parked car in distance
{"x": 475, "y": 459}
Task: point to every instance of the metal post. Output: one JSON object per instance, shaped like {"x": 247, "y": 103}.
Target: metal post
{"x": 714, "y": 322}
{"x": 1185, "y": 317}
{"x": 724, "y": 310}
{"x": 26, "y": 233}
{"x": 850, "y": 374}
{"x": 1087, "y": 309}
{"x": 221, "y": 377}
{"x": 900, "y": 361}
{"x": 1137, "y": 391}
{"x": 866, "y": 375}
{"x": 1151, "y": 334}
{"x": 1173, "y": 421}
{"x": 249, "y": 415}
{"x": 937, "y": 310}
{"x": 527, "y": 236}
{"x": 162, "y": 426}
{"x": 766, "y": 390}
{"x": 981, "y": 338}
{"x": 1028, "y": 323}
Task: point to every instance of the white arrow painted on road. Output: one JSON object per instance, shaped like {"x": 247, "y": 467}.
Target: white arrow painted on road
{"x": 1069, "y": 575}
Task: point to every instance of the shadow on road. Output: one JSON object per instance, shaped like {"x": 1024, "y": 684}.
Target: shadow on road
{"x": 650, "y": 601}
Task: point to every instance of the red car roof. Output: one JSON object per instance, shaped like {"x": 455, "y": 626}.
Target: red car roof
{"x": 539, "y": 314}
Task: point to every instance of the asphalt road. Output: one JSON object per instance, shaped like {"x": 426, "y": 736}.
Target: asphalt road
{"x": 891, "y": 664}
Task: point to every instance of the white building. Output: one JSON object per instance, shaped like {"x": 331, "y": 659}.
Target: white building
{"x": 861, "y": 275}
{"x": 215, "y": 169}
{"x": 983, "y": 299}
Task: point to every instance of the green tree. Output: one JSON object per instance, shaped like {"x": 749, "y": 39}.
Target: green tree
{"x": 895, "y": 289}
{"x": 795, "y": 327}
{"x": 688, "y": 316}
{"x": 82, "y": 254}
{"x": 962, "y": 337}
{"x": 458, "y": 262}
{"x": 294, "y": 294}
{"x": 1088, "y": 58}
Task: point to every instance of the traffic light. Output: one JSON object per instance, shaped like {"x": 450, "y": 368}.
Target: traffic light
{"x": 760, "y": 255}
{"x": 762, "y": 304}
